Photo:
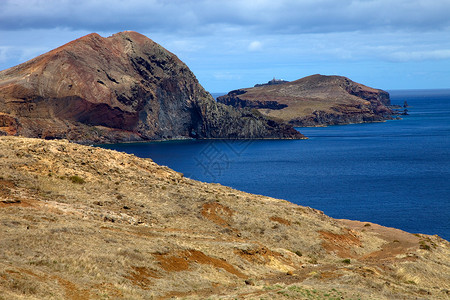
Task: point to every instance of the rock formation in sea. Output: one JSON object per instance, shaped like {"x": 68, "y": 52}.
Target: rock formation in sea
{"x": 315, "y": 100}
{"x": 121, "y": 88}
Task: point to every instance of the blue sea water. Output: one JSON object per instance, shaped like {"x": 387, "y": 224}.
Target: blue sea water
{"x": 395, "y": 173}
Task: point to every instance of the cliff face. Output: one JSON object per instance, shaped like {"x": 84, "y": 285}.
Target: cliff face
{"x": 314, "y": 101}
{"x": 121, "y": 88}
{"x": 136, "y": 230}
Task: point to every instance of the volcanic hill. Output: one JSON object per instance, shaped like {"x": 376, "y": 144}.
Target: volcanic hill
{"x": 80, "y": 222}
{"x": 315, "y": 100}
{"x": 121, "y": 88}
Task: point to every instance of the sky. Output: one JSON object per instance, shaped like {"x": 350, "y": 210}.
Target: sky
{"x": 231, "y": 44}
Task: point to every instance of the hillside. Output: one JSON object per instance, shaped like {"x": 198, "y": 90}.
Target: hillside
{"x": 79, "y": 222}
{"x": 121, "y": 88}
{"x": 315, "y": 100}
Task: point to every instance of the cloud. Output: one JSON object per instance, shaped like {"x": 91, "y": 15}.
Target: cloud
{"x": 194, "y": 17}
{"x": 4, "y": 53}
{"x": 225, "y": 75}
{"x": 255, "y": 46}
{"x": 242, "y": 42}
{"x": 21, "y": 45}
{"x": 403, "y": 56}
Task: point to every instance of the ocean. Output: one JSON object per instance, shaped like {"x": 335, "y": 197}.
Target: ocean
{"x": 394, "y": 173}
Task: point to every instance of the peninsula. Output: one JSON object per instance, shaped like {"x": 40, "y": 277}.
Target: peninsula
{"x": 315, "y": 100}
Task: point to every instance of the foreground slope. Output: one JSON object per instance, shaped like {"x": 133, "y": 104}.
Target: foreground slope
{"x": 121, "y": 88}
{"x": 86, "y": 223}
{"x": 315, "y": 100}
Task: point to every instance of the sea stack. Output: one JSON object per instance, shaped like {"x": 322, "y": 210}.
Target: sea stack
{"x": 121, "y": 88}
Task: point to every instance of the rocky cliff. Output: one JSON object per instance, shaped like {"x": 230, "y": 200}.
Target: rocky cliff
{"x": 315, "y": 100}
{"x": 80, "y": 222}
{"x": 121, "y": 88}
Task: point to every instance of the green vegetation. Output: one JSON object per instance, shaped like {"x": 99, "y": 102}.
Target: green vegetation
{"x": 76, "y": 179}
{"x": 424, "y": 246}
{"x": 346, "y": 261}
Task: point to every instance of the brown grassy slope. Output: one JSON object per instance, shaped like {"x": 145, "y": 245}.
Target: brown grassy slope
{"x": 85, "y": 223}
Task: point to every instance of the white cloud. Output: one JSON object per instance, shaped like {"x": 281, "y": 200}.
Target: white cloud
{"x": 192, "y": 17}
{"x": 4, "y": 53}
{"x": 255, "y": 46}
{"x": 225, "y": 75}
{"x": 420, "y": 55}
{"x": 298, "y": 37}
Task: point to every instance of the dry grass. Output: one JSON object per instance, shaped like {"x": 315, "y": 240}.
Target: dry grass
{"x": 136, "y": 230}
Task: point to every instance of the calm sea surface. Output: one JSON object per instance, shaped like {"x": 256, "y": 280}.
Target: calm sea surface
{"x": 395, "y": 173}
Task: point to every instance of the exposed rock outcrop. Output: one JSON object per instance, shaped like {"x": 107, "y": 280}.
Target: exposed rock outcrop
{"x": 315, "y": 100}
{"x": 235, "y": 101}
{"x": 121, "y": 88}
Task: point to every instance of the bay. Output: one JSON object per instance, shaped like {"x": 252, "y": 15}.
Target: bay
{"x": 395, "y": 173}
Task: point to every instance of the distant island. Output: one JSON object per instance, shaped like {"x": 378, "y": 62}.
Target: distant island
{"x": 316, "y": 100}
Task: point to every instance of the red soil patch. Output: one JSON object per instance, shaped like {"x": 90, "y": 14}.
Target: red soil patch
{"x": 6, "y": 184}
{"x": 398, "y": 242}
{"x": 200, "y": 257}
{"x": 140, "y": 277}
{"x": 390, "y": 251}
{"x": 342, "y": 244}
{"x": 16, "y": 202}
{"x": 329, "y": 275}
{"x": 8, "y": 124}
{"x": 181, "y": 260}
{"x": 218, "y": 213}
{"x": 7, "y": 197}
{"x": 259, "y": 255}
{"x": 280, "y": 220}
{"x": 5, "y": 188}
{"x": 172, "y": 263}
{"x": 72, "y": 291}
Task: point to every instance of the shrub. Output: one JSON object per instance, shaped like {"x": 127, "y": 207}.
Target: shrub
{"x": 76, "y": 179}
{"x": 425, "y": 247}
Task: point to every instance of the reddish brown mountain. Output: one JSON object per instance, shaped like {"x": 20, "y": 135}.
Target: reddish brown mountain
{"x": 315, "y": 100}
{"x": 124, "y": 87}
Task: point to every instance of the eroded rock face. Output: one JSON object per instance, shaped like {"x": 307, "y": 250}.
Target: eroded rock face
{"x": 121, "y": 88}
{"x": 315, "y": 101}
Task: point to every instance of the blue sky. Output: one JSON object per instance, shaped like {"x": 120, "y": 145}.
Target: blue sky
{"x": 387, "y": 44}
